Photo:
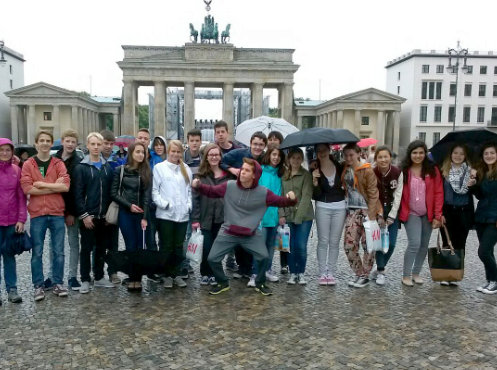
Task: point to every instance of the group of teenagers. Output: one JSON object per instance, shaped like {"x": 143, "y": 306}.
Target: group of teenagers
{"x": 237, "y": 197}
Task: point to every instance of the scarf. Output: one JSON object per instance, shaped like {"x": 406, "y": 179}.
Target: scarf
{"x": 459, "y": 178}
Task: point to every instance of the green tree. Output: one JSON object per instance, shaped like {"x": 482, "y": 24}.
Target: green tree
{"x": 274, "y": 112}
{"x": 143, "y": 116}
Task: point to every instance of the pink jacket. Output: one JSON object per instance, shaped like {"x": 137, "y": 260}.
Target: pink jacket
{"x": 12, "y": 198}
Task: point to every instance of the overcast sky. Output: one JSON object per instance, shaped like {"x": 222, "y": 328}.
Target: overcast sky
{"x": 343, "y": 44}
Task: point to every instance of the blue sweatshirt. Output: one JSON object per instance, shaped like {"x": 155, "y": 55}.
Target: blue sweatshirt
{"x": 270, "y": 180}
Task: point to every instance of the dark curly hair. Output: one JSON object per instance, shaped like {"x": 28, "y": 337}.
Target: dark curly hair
{"x": 427, "y": 167}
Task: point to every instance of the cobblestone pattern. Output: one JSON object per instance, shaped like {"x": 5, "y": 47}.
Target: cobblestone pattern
{"x": 313, "y": 327}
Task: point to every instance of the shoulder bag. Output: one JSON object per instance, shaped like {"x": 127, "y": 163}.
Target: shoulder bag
{"x": 112, "y": 214}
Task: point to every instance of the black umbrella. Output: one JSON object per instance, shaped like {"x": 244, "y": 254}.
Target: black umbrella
{"x": 473, "y": 139}
{"x": 21, "y": 148}
{"x": 319, "y": 135}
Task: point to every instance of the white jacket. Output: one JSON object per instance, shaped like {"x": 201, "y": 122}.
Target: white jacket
{"x": 170, "y": 193}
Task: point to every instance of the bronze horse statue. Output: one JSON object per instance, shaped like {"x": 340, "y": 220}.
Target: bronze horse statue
{"x": 193, "y": 33}
{"x": 225, "y": 35}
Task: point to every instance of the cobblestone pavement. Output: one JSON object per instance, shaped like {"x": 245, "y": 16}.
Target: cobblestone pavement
{"x": 390, "y": 327}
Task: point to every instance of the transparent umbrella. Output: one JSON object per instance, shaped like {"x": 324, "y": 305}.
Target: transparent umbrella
{"x": 265, "y": 124}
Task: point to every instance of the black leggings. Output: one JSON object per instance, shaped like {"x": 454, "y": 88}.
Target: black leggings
{"x": 487, "y": 236}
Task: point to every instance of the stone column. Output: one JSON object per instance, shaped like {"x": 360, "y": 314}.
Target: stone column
{"x": 256, "y": 99}
{"x": 115, "y": 124}
{"x": 286, "y": 101}
{"x": 31, "y": 124}
{"x": 299, "y": 122}
{"x": 334, "y": 119}
{"x": 80, "y": 124}
{"x": 325, "y": 120}
{"x": 160, "y": 108}
{"x": 329, "y": 120}
{"x": 357, "y": 123}
{"x": 228, "y": 105}
{"x": 340, "y": 119}
{"x": 14, "y": 125}
{"x": 396, "y": 132}
{"x": 58, "y": 128}
{"x": 189, "y": 123}
{"x": 380, "y": 127}
{"x": 128, "y": 123}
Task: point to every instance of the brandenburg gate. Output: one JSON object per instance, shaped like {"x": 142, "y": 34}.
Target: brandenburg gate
{"x": 208, "y": 64}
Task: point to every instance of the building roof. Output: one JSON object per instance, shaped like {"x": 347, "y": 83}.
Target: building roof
{"x": 437, "y": 54}
{"x": 308, "y": 103}
{"x": 107, "y": 99}
{"x": 13, "y": 53}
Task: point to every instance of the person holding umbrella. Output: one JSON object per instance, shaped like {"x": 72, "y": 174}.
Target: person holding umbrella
{"x": 486, "y": 213}
{"x": 458, "y": 208}
{"x": 359, "y": 182}
{"x": 132, "y": 193}
{"x": 421, "y": 208}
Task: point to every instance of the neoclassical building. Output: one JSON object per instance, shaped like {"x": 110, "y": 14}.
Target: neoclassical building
{"x": 206, "y": 66}
{"x": 366, "y": 113}
{"x": 44, "y": 106}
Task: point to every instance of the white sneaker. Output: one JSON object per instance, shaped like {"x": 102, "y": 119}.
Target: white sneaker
{"x": 380, "y": 279}
{"x": 444, "y": 283}
{"x": 491, "y": 288}
{"x": 179, "y": 282}
{"x": 103, "y": 283}
{"x": 374, "y": 274}
{"x": 353, "y": 282}
{"x": 484, "y": 286}
{"x": 293, "y": 279}
{"x": 302, "y": 280}
{"x": 270, "y": 276}
{"x": 168, "y": 282}
{"x": 251, "y": 283}
{"x": 85, "y": 287}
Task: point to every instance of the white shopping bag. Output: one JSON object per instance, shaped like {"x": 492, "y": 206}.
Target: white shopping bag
{"x": 373, "y": 235}
{"x": 195, "y": 246}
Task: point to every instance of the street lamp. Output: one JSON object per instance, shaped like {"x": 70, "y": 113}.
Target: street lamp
{"x": 454, "y": 68}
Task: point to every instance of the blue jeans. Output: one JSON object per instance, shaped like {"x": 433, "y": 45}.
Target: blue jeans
{"x": 299, "y": 234}
{"x": 9, "y": 261}
{"x": 130, "y": 225}
{"x": 269, "y": 235}
{"x": 73, "y": 240}
{"x": 383, "y": 258}
{"x": 39, "y": 226}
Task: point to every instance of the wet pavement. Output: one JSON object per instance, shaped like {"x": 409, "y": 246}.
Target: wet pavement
{"x": 312, "y": 327}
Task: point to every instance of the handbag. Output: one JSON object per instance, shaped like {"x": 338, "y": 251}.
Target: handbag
{"x": 446, "y": 263}
{"x": 18, "y": 243}
{"x": 112, "y": 214}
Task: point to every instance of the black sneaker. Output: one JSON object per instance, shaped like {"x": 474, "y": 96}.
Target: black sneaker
{"x": 219, "y": 288}
{"x": 361, "y": 282}
{"x": 184, "y": 274}
{"x": 284, "y": 270}
{"x": 74, "y": 284}
{"x": 47, "y": 284}
{"x": 263, "y": 289}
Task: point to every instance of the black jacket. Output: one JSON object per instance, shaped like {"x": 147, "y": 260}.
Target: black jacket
{"x": 70, "y": 163}
{"x": 92, "y": 188}
{"x": 323, "y": 192}
{"x": 208, "y": 211}
{"x": 131, "y": 190}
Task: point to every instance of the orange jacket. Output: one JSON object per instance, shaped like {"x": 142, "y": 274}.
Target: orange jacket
{"x": 48, "y": 204}
{"x": 365, "y": 183}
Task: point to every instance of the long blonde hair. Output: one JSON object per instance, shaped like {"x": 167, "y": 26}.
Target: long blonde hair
{"x": 182, "y": 167}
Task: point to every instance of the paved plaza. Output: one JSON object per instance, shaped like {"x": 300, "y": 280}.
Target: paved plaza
{"x": 389, "y": 327}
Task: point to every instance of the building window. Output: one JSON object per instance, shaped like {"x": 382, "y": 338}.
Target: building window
{"x": 440, "y": 68}
{"x": 425, "y": 68}
{"x": 422, "y": 136}
{"x": 423, "y": 112}
{"x": 466, "y": 114}
{"x": 11, "y": 69}
{"x": 47, "y": 116}
{"x": 436, "y": 137}
{"x": 451, "y": 113}
{"x": 482, "y": 90}
{"x": 365, "y": 120}
{"x": 11, "y": 84}
{"x": 398, "y": 90}
{"x": 481, "y": 115}
{"x": 493, "y": 120}
{"x": 398, "y": 76}
{"x": 467, "y": 90}
{"x": 452, "y": 90}
{"x": 469, "y": 71}
{"x": 431, "y": 90}
{"x": 437, "y": 115}
{"x": 495, "y": 70}
{"x": 495, "y": 91}
{"x": 483, "y": 70}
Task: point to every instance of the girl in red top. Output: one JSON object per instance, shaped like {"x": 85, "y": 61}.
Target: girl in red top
{"x": 421, "y": 208}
